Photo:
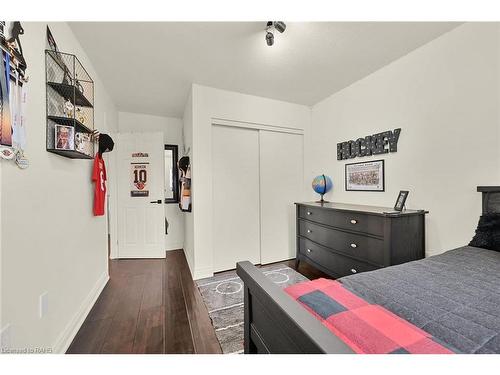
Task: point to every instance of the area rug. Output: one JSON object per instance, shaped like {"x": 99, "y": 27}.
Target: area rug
{"x": 223, "y": 296}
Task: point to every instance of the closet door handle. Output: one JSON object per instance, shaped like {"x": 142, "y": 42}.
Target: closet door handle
{"x": 353, "y": 245}
{"x": 309, "y": 250}
{"x": 309, "y": 213}
{"x": 354, "y": 221}
{"x": 309, "y": 231}
{"x": 353, "y": 270}
{"x": 159, "y": 201}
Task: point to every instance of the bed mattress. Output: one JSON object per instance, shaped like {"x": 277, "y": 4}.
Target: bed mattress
{"x": 454, "y": 296}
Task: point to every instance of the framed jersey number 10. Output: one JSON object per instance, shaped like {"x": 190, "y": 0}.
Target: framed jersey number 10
{"x": 140, "y": 176}
{"x": 139, "y": 187}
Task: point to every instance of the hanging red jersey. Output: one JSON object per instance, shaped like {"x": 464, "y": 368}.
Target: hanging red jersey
{"x": 99, "y": 178}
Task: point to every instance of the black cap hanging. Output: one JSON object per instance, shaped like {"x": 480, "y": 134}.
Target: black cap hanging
{"x": 106, "y": 144}
{"x": 184, "y": 163}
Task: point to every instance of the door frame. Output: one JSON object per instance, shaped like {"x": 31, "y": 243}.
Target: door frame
{"x": 111, "y": 195}
{"x": 256, "y": 126}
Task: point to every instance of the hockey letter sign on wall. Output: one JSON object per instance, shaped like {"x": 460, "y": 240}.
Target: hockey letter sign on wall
{"x": 139, "y": 179}
{"x": 375, "y": 144}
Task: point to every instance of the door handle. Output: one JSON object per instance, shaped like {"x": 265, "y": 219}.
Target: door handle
{"x": 159, "y": 201}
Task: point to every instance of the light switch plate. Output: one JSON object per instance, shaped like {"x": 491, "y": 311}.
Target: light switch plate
{"x": 44, "y": 304}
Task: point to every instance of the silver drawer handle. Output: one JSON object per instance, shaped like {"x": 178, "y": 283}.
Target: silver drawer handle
{"x": 309, "y": 231}
{"x": 353, "y": 270}
{"x": 309, "y": 250}
{"x": 309, "y": 213}
{"x": 353, "y": 221}
{"x": 353, "y": 245}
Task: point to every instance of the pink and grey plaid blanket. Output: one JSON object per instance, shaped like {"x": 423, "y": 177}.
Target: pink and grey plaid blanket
{"x": 364, "y": 327}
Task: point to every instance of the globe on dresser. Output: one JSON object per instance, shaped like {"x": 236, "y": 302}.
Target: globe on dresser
{"x": 322, "y": 184}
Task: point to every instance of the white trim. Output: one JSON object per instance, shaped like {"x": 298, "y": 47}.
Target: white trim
{"x": 66, "y": 337}
{"x": 175, "y": 246}
{"x": 161, "y": 255}
{"x": 111, "y": 184}
{"x": 189, "y": 262}
{"x": 252, "y": 125}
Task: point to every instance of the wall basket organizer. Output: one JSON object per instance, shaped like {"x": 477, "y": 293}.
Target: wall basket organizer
{"x": 70, "y": 106}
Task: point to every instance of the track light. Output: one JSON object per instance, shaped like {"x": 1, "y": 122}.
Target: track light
{"x": 269, "y": 38}
{"x": 280, "y": 26}
{"x": 270, "y": 27}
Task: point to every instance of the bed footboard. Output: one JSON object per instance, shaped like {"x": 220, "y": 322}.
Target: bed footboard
{"x": 275, "y": 323}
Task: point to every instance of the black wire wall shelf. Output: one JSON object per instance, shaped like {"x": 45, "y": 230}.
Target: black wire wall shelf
{"x": 71, "y": 154}
{"x": 69, "y": 105}
{"x": 61, "y": 120}
{"x": 71, "y": 93}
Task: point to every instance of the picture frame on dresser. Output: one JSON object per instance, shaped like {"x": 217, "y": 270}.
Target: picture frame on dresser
{"x": 400, "y": 202}
{"x": 365, "y": 176}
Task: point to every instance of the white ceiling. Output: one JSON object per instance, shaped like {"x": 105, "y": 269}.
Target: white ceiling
{"x": 148, "y": 67}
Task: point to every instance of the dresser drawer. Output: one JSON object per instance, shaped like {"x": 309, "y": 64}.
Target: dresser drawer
{"x": 358, "y": 246}
{"x": 338, "y": 264}
{"x": 354, "y": 221}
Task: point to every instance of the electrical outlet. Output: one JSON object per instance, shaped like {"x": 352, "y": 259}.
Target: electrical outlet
{"x": 6, "y": 337}
{"x": 43, "y": 304}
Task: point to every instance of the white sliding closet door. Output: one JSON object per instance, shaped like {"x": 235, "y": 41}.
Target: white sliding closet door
{"x": 281, "y": 180}
{"x": 235, "y": 167}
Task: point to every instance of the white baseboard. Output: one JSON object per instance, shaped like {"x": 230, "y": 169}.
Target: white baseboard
{"x": 145, "y": 256}
{"x": 175, "y": 246}
{"x": 189, "y": 262}
{"x": 64, "y": 341}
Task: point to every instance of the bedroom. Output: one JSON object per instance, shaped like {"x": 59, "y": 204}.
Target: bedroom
{"x": 395, "y": 124}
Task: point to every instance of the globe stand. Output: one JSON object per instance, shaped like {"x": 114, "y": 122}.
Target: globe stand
{"x": 326, "y": 186}
{"x": 322, "y": 200}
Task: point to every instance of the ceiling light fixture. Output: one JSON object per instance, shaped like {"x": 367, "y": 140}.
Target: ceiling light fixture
{"x": 270, "y": 27}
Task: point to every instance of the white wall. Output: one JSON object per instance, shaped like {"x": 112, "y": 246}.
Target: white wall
{"x": 445, "y": 97}
{"x": 50, "y": 240}
{"x": 171, "y": 128}
{"x": 209, "y": 104}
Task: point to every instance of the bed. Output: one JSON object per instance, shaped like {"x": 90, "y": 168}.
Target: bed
{"x": 454, "y": 296}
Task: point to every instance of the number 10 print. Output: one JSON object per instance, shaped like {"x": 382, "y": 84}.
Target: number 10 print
{"x": 139, "y": 180}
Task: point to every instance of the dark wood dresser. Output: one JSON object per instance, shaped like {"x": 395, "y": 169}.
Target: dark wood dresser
{"x": 341, "y": 239}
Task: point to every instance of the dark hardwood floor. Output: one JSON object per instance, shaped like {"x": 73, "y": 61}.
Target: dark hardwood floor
{"x": 152, "y": 306}
{"x": 128, "y": 316}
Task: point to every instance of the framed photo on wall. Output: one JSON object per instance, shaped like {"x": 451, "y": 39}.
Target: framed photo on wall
{"x": 365, "y": 176}
{"x": 64, "y": 136}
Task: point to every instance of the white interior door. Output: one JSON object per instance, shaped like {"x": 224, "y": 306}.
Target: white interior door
{"x": 281, "y": 181}
{"x": 140, "y": 181}
{"x": 235, "y": 166}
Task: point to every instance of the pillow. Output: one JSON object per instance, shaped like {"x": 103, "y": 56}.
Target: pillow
{"x": 487, "y": 232}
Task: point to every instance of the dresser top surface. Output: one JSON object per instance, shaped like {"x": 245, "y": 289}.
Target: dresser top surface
{"x": 373, "y": 210}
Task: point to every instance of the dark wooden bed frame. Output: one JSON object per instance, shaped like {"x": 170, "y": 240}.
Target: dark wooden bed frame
{"x": 275, "y": 323}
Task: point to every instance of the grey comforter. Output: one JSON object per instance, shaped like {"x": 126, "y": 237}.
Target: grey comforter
{"x": 454, "y": 296}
